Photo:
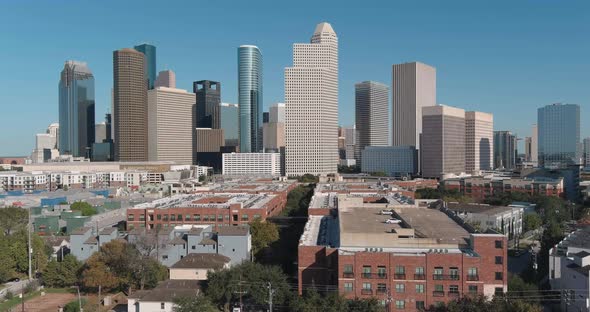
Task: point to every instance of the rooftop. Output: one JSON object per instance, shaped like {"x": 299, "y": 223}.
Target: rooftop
{"x": 233, "y": 230}
{"x": 202, "y": 261}
{"x": 210, "y": 200}
{"x": 169, "y": 290}
{"x": 479, "y": 208}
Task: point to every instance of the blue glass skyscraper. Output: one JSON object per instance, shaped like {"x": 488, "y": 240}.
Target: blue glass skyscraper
{"x": 559, "y": 135}
{"x": 76, "y": 109}
{"x": 250, "y": 98}
{"x": 150, "y": 62}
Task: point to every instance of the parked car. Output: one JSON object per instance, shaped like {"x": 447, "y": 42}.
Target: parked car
{"x": 386, "y": 212}
{"x": 393, "y": 221}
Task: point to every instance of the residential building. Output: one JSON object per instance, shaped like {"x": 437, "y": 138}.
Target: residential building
{"x": 252, "y": 164}
{"x": 163, "y": 298}
{"x": 230, "y": 123}
{"x": 84, "y": 241}
{"x": 196, "y": 266}
{"x": 170, "y": 130}
{"x": 505, "y": 152}
{"x": 506, "y": 220}
{"x": 443, "y": 141}
{"x": 207, "y": 109}
{"x": 150, "y": 63}
{"x": 480, "y": 187}
{"x": 372, "y": 116}
{"x": 76, "y": 109}
{"x": 311, "y": 101}
{"x": 391, "y": 160}
{"x": 130, "y": 106}
{"x": 250, "y": 98}
{"x": 479, "y": 137}
{"x": 569, "y": 270}
{"x": 166, "y": 78}
{"x": 559, "y": 135}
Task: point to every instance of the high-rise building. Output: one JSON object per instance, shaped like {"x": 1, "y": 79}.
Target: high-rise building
{"x": 311, "y": 94}
{"x": 207, "y": 107}
{"x": 479, "y": 145}
{"x": 103, "y": 150}
{"x": 413, "y": 87}
{"x": 391, "y": 160}
{"x": 273, "y": 131}
{"x": 208, "y": 148}
{"x": 229, "y": 123}
{"x": 350, "y": 140}
{"x": 528, "y": 145}
{"x": 130, "y": 106}
{"x": 170, "y": 131}
{"x": 265, "y": 117}
{"x": 372, "y": 115}
{"x": 46, "y": 145}
{"x": 100, "y": 132}
{"x": 76, "y": 109}
{"x": 276, "y": 112}
{"x": 505, "y": 147}
{"x": 150, "y": 62}
{"x": 535, "y": 145}
{"x": 166, "y": 78}
{"x": 443, "y": 141}
{"x": 587, "y": 152}
{"x": 559, "y": 135}
{"x": 250, "y": 98}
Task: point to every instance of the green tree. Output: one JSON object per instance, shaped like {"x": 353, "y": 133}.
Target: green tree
{"x": 13, "y": 219}
{"x": 519, "y": 288}
{"x": 74, "y": 306}
{"x": 199, "y": 303}
{"x": 97, "y": 273}
{"x": 62, "y": 274}
{"x": 477, "y": 304}
{"x": 263, "y": 234}
{"x": 298, "y": 201}
{"x": 532, "y": 221}
{"x": 85, "y": 208}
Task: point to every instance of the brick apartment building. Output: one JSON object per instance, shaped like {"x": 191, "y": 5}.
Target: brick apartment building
{"x": 427, "y": 256}
{"x": 482, "y": 187}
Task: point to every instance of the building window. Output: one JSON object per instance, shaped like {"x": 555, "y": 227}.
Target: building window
{"x": 381, "y": 272}
{"x": 162, "y": 305}
{"x": 131, "y": 217}
{"x": 439, "y": 291}
{"x": 400, "y": 304}
{"x": 244, "y": 217}
{"x": 366, "y": 289}
{"x": 454, "y": 289}
{"x": 256, "y": 216}
{"x": 179, "y": 217}
{"x": 499, "y": 244}
{"x": 419, "y": 288}
{"x": 499, "y": 276}
{"x": 499, "y": 260}
{"x": 400, "y": 288}
{"x": 472, "y": 274}
{"x": 220, "y": 218}
{"x": 165, "y": 217}
{"x": 348, "y": 287}
{"x": 141, "y": 217}
{"x": 347, "y": 271}
{"x": 366, "y": 271}
{"x": 420, "y": 305}
{"x": 381, "y": 288}
{"x": 498, "y": 291}
{"x": 454, "y": 273}
{"x": 473, "y": 289}
{"x": 400, "y": 272}
{"x": 172, "y": 217}
{"x": 159, "y": 217}
{"x": 194, "y": 247}
{"x": 197, "y": 217}
{"x": 419, "y": 273}
{"x": 438, "y": 273}
{"x": 164, "y": 257}
{"x": 187, "y": 217}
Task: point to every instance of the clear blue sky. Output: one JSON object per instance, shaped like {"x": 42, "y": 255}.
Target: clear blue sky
{"x": 506, "y": 57}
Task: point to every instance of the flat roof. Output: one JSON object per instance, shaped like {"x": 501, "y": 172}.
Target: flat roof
{"x": 217, "y": 200}
{"x": 480, "y": 208}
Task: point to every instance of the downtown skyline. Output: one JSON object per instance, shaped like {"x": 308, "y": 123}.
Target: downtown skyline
{"x": 477, "y": 79}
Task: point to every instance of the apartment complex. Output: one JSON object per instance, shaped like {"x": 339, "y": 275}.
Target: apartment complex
{"x": 252, "y": 164}
{"x": 506, "y": 220}
{"x": 480, "y": 187}
{"x": 479, "y": 138}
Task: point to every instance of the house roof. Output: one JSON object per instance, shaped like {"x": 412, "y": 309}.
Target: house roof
{"x": 202, "y": 261}
{"x": 207, "y": 241}
{"x": 91, "y": 240}
{"x": 177, "y": 241}
{"x": 81, "y": 231}
{"x": 168, "y": 291}
{"x": 582, "y": 254}
{"x": 233, "y": 230}
{"x": 107, "y": 231}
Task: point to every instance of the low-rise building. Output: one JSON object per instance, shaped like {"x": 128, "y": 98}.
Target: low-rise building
{"x": 197, "y": 266}
{"x": 252, "y": 164}
{"x": 480, "y": 187}
{"x": 85, "y": 241}
{"x": 506, "y": 220}
{"x": 163, "y": 297}
{"x": 569, "y": 270}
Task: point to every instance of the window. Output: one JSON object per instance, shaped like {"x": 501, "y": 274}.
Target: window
{"x": 438, "y": 272}
{"x": 164, "y": 257}
{"x": 141, "y": 217}
{"x": 347, "y": 268}
{"x": 400, "y": 304}
{"x": 220, "y": 218}
{"x": 499, "y": 276}
{"x": 499, "y": 244}
{"x": 438, "y": 288}
{"x": 165, "y": 217}
{"x": 366, "y": 289}
{"x": 159, "y": 217}
{"x": 419, "y": 273}
{"x": 187, "y": 217}
{"x": 454, "y": 289}
{"x": 473, "y": 289}
{"x": 348, "y": 287}
{"x": 439, "y": 291}
{"x": 381, "y": 288}
{"x": 400, "y": 272}
{"x": 454, "y": 273}
{"x": 420, "y": 305}
{"x": 381, "y": 272}
{"x": 193, "y": 247}
{"x": 499, "y": 260}
{"x": 256, "y": 216}
{"x": 400, "y": 288}
{"x": 172, "y": 217}
{"x": 472, "y": 274}
{"x": 162, "y": 305}
{"x": 366, "y": 271}
{"x": 244, "y": 217}
{"x": 130, "y": 217}
{"x": 197, "y": 217}
{"x": 498, "y": 291}
{"x": 419, "y": 288}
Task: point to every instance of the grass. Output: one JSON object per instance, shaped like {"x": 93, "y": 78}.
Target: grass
{"x": 15, "y": 301}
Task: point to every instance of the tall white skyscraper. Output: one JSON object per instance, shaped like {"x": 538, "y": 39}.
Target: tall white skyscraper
{"x": 479, "y": 141}
{"x": 277, "y": 112}
{"x": 311, "y": 94}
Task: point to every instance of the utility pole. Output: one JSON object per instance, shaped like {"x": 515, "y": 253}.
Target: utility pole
{"x": 271, "y": 293}
{"x": 99, "y": 288}
{"x": 30, "y": 248}
{"x": 240, "y": 293}
{"x": 22, "y": 297}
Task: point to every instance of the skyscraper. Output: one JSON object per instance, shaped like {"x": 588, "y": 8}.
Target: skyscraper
{"x": 250, "y": 98}
{"x": 229, "y": 123}
{"x": 372, "y": 115}
{"x": 528, "y": 144}
{"x": 443, "y": 141}
{"x": 171, "y": 125}
{"x": 276, "y": 112}
{"x": 587, "y": 152}
{"x": 413, "y": 87}
{"x": 166, "y": 78}
{"x": 479, "y": 137}
{"x": 207, "y": 104}
{"x": 535, "y": 145}
{"x": 559, "y": 135}
{"x": 273, "y": 131}
{"x": 149, "y": 51}
{"x": 76, "y": 109}
{"x": 504, "y": 150}
{"x": 130, "y": 106}
{"x": 311, "y": 94}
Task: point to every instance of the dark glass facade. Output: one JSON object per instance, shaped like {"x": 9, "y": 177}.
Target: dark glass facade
{"x": 208, "y": 94}
{"x": 150, "y": 62}
{"x": 559, "y": 135}
{"x": 250, "y": 98}
{"x": 229, "y": 123}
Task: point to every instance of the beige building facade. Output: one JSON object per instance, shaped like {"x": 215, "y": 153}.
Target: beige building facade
{"x": 479, "y": 141}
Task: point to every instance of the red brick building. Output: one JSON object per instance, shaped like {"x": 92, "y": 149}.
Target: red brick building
{"x": 423, "y": 258}
{"x": 481, "y": 187}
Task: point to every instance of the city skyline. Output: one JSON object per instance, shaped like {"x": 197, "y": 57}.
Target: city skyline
{"x": 474, "y": 80}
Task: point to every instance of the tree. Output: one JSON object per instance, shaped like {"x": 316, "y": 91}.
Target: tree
{"x": 519, "y": 288}
{"x": 85, "y": 208}
{"x": 479, "y": 303}
{"x": 199, "y": 303}
{"x": 263, "y": 234}
{"x": 13, "y": 219}
{"x": 98, "y": 274}
{"x": 532, "y": 221}
{"x": 62, "y": 274}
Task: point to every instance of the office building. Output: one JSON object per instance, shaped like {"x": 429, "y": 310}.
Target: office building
{"x": 528, "y": 145}
{"x": 311, "y": 94}
{"x": 130, "y": 106}
{"x": 350, "y": 141}
{"x": 504, "y": 150}
{"x": 372, "y": 115}
{"x": 252, "y": 164}
{"x": 100, "y": 132}
{"x": 535, "y": 145}
{"x": 479, "y": 137}
{"x": 170, "y": 131}
{"x": 250, "y": 98}
{"x": 443, "y": 141}
{"x": 273, "y": 136}
{"x": 276, "y": 113}
{"x": 559, "y": 135}
{"x": 587, "y": 152}
{"x": 208, "y": 101}
{"x": 46, "y": 145}
{"x": 391, "y": 160}
{"x": 230, "y": 123}
{"x": 413, "y": 87}
{"x": 149, "y": 51}
{"x": 166, "y": 78}
{"x": 207, "y": 147}
{"x": 76, "y": 109}
{"x": 265, "y": 117}
{"x": 104, "y": 150}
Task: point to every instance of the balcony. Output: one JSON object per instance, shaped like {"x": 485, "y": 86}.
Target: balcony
{"x": 381, "y": 291}
{"x": 419, "y": 276}
{"x": 399, "y": 276}
{"x": 473, "y": 277}
{"x": 348, "y": 274}
{"x": 438, "y": 293}
{"x": 440, "y": 277}
{"x": 366, "y": 291}
{"x": 382, "y": 275}
{"x": 367, "y": 275}
{"x": 454, "y": 294}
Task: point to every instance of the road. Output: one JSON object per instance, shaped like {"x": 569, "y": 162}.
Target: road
{"x": 14, "y": 287}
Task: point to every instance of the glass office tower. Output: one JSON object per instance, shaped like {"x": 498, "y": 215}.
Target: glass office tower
{"x": 250, "y": 98}
{"x": 559, "y": 135}
{"x": 229, "y": 123}
{"x": 76, "y": 110}
{"x": 150, "y": 62}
